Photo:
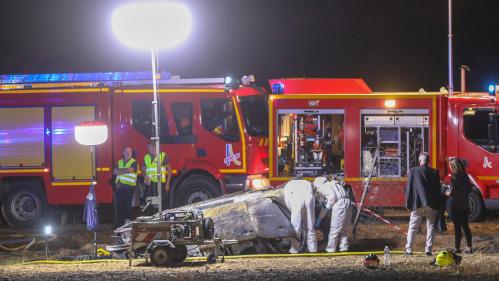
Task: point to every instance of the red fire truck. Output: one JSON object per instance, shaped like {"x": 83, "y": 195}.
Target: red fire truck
{"x": 214, "y": 133}
{"x": 333, "y": 125}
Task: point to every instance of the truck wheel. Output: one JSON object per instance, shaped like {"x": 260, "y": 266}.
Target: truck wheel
{"x": 179, "y": 253}
{"x": 476, "y": 206}
{"x": 196, "y": 188}
{"x": 208, "y": 228}
{"x": 23, "y": 206}
{"x": 161, "y": 256}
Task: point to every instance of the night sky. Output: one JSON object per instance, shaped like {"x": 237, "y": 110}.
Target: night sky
{"x": 392, "y": 44}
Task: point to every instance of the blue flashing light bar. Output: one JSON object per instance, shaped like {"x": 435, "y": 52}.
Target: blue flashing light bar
{"x": 492, "y": 89}
{"x": 278, "y": 88}
{"x": 80, "y": 77}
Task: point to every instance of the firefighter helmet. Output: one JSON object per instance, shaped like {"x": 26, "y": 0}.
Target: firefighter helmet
{"x": 371, "y": 261}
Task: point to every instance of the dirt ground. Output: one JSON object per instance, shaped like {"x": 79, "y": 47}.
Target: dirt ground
{"x": 376, "y": 236}
{"x": 475, "y": 267}
{"x": 484, "y": 264}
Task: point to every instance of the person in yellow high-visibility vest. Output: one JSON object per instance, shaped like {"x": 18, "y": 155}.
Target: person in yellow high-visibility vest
{"x": 149, "y": 170}
{"x": 126, "y": 183}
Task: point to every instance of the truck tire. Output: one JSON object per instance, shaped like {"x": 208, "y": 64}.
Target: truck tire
{"x": 476, "y": 206}
{"x": 179, "y": 253}
{"x": 208, "y": 228}
{"x": 161, "y": 256}
{"x": 24, "y": 205}
{"x": 196, "y": 188}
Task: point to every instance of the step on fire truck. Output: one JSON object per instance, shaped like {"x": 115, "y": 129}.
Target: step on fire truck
{"x": 333, "y": 125}
{"x": 214, "y": 132}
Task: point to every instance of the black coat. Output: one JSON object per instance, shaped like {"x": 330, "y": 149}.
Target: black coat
{"x": 423, "y": 189}
{"x": 459, "y": 194}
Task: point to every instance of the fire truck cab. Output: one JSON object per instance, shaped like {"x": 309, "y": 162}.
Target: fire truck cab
{"x": 214, "y": 133}
{"x": 472, "y": 135}
{"x": 341, "y": 126}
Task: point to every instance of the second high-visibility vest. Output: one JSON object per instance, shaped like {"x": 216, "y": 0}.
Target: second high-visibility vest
{"x": 151, "y": 167}
{"x": 129, "y": 178}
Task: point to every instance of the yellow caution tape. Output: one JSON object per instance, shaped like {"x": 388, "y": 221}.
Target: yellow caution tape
{"x": 336, "y": 254}
{"x": 255, "y": 256}
{"x": 72, "y": 262}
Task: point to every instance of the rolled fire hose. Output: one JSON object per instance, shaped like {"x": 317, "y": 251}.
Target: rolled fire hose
{"x": 25, "y": 246}
{"x": 22, "y": 247}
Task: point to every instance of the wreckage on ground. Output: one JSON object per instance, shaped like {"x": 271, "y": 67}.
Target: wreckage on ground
{"x": 259, "y": 221}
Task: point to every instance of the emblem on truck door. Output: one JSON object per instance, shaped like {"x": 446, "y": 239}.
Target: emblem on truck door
{"x": 487, "y": 163}
{"x": 230, "y": 157}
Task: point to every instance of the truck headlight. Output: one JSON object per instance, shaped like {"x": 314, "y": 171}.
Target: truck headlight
{"x": 256, "y": 183}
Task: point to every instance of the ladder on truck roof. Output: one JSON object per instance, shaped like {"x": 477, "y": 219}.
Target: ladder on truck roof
{"x": 97, "y": 79}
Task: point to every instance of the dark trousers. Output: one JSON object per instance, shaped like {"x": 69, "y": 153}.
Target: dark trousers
{"x": 123, "y": 196}
{"x": 460, "y": 221}
{"x": 152, "y": 190}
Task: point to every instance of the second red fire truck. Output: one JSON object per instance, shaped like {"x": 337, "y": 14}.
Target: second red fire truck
{"x": 337, "y": 125}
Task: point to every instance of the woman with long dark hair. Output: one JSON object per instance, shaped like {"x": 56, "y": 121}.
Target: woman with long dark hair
{"x": 458, "y": 204}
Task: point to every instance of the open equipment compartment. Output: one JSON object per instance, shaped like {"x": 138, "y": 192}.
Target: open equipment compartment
{"x": 310, "y": 142}
{"x": 401, "y": 136}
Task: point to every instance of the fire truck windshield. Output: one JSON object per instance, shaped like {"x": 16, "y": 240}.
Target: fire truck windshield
{"x": 255, "y": 114}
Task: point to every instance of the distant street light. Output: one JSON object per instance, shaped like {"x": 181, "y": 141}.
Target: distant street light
{"x": 153, "y": 25}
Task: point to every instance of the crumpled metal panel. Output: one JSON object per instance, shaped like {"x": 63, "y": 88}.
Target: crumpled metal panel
{"x": 232, "y": 221}
{"x": 248, "y": 215}
{"x": 269, "y": 220}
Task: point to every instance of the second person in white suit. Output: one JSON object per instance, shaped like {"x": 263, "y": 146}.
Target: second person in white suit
{"x": 338, "y": 199}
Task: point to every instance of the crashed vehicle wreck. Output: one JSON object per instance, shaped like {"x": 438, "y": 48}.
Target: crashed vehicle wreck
{"x": 258, "y": 220}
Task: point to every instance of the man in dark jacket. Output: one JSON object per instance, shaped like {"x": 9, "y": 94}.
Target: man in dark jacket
{"x": 424, "y": 199}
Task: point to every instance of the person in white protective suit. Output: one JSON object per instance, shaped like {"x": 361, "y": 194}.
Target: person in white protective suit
{"x": 300, "y": 200}
{"x": 339, "y": 200}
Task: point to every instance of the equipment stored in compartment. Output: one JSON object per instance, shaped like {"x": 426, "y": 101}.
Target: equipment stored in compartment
{"x": 310, "y": 142}
{"x": 401, "y": 138}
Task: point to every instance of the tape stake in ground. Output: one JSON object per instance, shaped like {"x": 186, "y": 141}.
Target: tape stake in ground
{"x": 371, "y": 213}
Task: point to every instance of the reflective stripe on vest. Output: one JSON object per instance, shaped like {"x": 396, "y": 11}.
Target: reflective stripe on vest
{"x": 130, "y": 178}
{"x": 151, "y": 167}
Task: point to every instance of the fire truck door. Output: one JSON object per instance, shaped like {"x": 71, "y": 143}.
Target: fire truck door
{"x": 220, "y": 137}
{"x": 479, "y": 146}
{"x": 70, "y": 160}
